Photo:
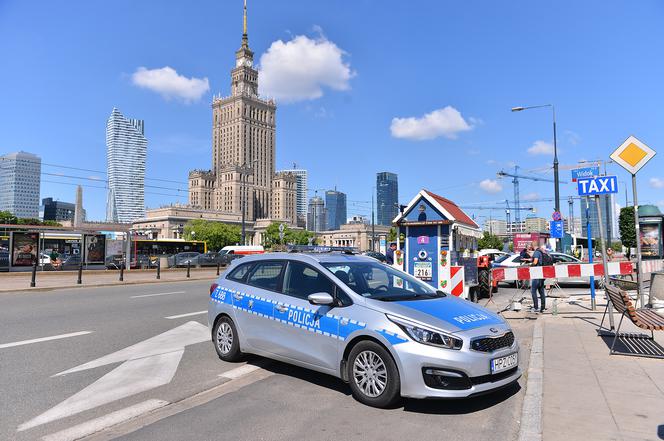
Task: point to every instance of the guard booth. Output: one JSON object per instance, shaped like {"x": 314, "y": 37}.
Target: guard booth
{"x": 437, "y": 243}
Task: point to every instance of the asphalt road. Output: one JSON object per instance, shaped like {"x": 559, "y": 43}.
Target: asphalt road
{"x": 277, "y": 401}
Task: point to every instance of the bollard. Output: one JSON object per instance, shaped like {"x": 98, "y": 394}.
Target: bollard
{"x": 80, "y": 273}
{"x": 158, "y": 268}
{"x": 34, "y": 274}
{"x": 122, "y": 265}
{"x": 188, "y": 268}
{"x": 217, "y": 268}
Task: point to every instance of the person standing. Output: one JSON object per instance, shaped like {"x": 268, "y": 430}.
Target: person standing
{"x": 537, "y": 285}
{"x": 389, "y": 254}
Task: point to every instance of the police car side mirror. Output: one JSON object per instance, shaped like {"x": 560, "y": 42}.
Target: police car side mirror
{"x": 320, "y": 298}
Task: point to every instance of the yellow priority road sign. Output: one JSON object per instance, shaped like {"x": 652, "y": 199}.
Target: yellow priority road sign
{"x": 632, "y": 155}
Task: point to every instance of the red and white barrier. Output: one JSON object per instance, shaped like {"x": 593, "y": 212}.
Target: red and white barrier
{"x": 651, "y": 266}
{"x": 560, "y": 271}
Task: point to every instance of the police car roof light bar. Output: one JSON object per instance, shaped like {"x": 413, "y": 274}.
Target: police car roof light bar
{"x": 320, "y": 249}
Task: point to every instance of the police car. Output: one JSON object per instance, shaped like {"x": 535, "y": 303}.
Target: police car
{"x": 383, "y": 331}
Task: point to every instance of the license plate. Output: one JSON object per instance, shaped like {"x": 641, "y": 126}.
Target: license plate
{"x": 423, "y": 270}
{"x": 504, "y": 363}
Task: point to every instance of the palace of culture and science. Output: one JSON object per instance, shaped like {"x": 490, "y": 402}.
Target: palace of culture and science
{"x": 243, "y": 176}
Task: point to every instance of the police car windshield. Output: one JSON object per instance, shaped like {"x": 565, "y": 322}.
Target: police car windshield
{"x": 381, "y": 282}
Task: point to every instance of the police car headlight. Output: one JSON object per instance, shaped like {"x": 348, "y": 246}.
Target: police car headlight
{"x": 427, "y": 336}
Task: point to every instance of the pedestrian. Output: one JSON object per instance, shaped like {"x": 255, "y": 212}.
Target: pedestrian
{"x": 389, "y": 255}
{"x": 537, "y": 285}
{"x": 609, "y": 254}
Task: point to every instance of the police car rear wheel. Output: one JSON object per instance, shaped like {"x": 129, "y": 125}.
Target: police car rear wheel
{"x": 225, "y": 340}
{"x": 373, "y": 374}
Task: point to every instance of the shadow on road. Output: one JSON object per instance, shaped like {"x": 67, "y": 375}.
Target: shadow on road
{"x": 426, "y": 406}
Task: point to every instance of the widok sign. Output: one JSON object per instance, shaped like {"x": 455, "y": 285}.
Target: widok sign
{"x": 599, "y": 185}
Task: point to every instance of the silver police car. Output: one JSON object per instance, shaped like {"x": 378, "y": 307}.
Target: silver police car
{"x": 383, "y": 331}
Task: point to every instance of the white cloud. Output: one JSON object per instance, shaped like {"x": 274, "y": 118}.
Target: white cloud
{"x": 530, "y": 196}
{"x": 491, "y": 186}
{"x": 301, "y": 68}
{"x": 656, "y": 182}
{"x": 445, "y": 122}
{"x": 169, "y": 84}
{"x": 541, "y": 148}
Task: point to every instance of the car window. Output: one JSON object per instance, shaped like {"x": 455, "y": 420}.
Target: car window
{"x": 239, "y": 274}
{"x": 300, "y": 280}
{"x": 266, "y": 275}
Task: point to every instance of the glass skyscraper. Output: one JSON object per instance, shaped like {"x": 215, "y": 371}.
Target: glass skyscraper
{"x": 335, "y": 203}
{"x": 126, "y": 149}
{"x": 607, "y": 204}
{"x": 20, "y": 177}
{"x": 316, "y": 216}
{"x": 300, "y": 190}
{"x": 387, "y": 197}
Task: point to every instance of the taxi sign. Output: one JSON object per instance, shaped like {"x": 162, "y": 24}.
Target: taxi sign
{"x": 632, "y": 155}
{"x": 597, "y": 186}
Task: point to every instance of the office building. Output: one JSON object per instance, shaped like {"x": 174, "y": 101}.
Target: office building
{"x": 58, "y": 211}
{"x": 387, "y": 197}
{"x": 243, "y": 176}
{"x": 126, "y": 150}
{"x": 335, "y": 204}
{"x": 20, "y": 177}
{"x": 496, "y": 226}
{"x": 606, "y": 203}
{"x": 317, "y": 215}
{"x": 536, "y": 225}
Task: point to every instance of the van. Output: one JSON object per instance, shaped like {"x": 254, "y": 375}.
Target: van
{"x": 228, "y": 253}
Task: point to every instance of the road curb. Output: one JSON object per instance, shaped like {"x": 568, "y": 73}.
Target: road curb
{"x": 531, "y": 412}
{"x": 103, "y": 285}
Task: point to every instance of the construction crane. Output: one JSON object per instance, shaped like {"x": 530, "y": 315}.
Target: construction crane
{"x": 516, "y": 176}
{"x": 506, "y": 208}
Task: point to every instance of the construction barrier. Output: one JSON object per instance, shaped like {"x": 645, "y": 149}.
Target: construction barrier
{"x": 651, "y": 266}
{"x": 560, "y": 271}
{"x": 452, "y": 280}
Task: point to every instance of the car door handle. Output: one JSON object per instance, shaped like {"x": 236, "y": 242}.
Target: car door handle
{"x": 237, "y": 296}
{"x": 281, "y": 308}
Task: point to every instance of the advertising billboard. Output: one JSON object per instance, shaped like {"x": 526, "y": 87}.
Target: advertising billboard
{"x": 4, "y": 253}
{"x": 25, "y": 248}
{"x": 650, "y": 239}
{"x": 95, "y": 248}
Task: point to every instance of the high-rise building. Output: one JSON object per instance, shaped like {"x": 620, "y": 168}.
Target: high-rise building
{"x": 242, "y": 178}
{"x": 335, "y": 204}
{"x": 536, "y": 225}
{"x": 606, "y": 203}
{"x": 301, "y": 178}
{"x": 317, "y": 215}
{"x": 387, "y": 197}
{"x": 126, "y": 149}
{"x": 20, "y": 177}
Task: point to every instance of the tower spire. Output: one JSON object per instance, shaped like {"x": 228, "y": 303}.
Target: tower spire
{"x": 245, "y": 38}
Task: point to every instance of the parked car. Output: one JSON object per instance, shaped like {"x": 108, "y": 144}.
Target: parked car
{"x": 386, "y": 333}
{"x": 210, "y": 258}
{"x": 182, "y": 259}
{"x": 515, "y": 260}
{"x": 376, "y": 255}
{"x": 44, "y": 259}
{"x": 143, "y": 261}
{"x": 230, "y": 252}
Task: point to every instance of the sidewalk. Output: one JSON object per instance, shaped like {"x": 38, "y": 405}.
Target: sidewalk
{"x": 589, "y": 395}
{"x": 11, "y": 282}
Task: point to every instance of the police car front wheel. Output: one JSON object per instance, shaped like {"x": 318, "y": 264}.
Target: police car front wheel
{"x": 225, "y": 340}
{"x": 373, "y": 375}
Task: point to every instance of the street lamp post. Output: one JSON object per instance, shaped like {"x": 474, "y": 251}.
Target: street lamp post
{"x": 245, "y": 170}
{"x": 556, "y": 181}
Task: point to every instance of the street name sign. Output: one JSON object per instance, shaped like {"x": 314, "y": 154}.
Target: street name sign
{"x": 585, "y": 172}
{"x": 597, "y": 186}
{"x": 632, "y": 155}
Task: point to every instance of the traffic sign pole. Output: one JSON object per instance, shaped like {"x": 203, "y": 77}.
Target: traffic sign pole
{"x": 639, "y": 276}
{"x": 589, "y": 231}
{"x": 604, "y": 260}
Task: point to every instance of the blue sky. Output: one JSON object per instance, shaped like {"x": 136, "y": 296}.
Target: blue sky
{"x": 367, "y": 74}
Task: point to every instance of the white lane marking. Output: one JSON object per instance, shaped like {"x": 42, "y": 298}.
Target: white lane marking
{"x": 39, "y": 340}
{"x": 157, "y": 294}
{"x": 146, "y": 365}
{"x": 189, "y": 314}
{"x": 241, "y": 371}
{"x": 106, "y": 421}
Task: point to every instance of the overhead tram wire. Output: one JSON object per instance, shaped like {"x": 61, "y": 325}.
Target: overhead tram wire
{"x": 105, "y": 180}
{"x": 106, "y": 188}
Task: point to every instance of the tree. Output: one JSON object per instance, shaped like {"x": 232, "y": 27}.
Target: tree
{"x": 291, "y": 237}
{"x": 616, "y": 246}
{"x": 392, "y": 235}
{"x": 6, "y": 217}
{"x": 216, "y": 234}
{"x": 489, "y": 240}
{"x": 627, "y": 229}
